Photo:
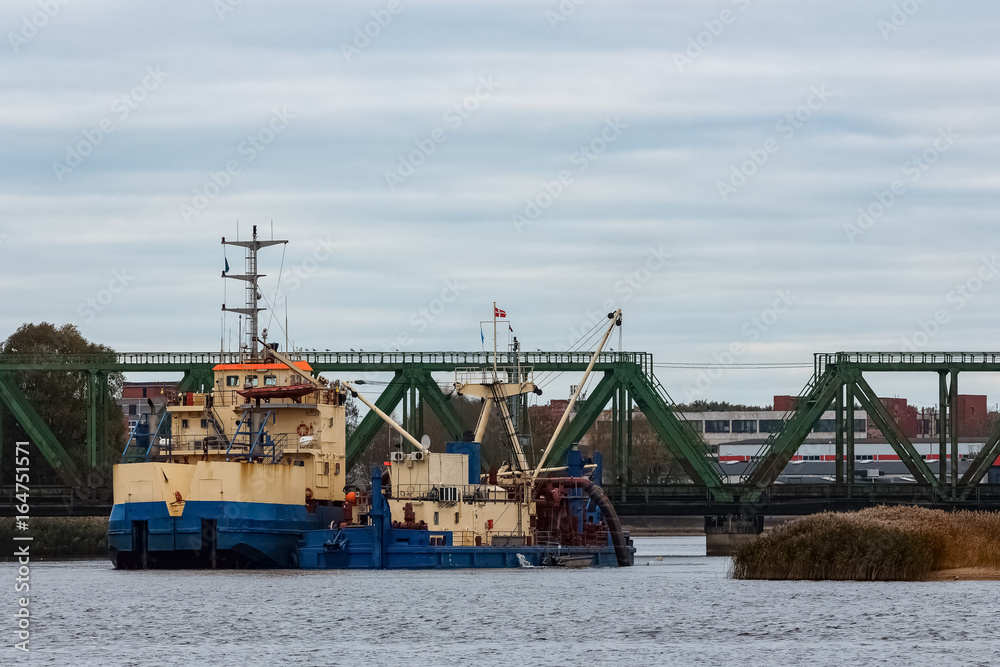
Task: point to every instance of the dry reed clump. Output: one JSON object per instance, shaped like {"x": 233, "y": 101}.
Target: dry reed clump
{"x": 61, "y": 537}
{"x": 876, "y": 544}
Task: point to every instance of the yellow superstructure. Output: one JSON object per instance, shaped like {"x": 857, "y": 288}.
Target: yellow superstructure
{"x": 436, "y": 486}
{"x": 255, "y": 413}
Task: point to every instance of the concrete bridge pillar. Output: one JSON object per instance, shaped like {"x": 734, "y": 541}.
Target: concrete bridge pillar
{"x": 724, "y": 533}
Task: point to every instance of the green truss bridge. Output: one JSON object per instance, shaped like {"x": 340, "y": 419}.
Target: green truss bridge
{"x": 623, "y": 380}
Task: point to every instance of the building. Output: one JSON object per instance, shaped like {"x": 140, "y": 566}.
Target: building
{"x": 738, "y": 436}
{"x": 138, "y": 398}
{"x": 718, "y": 428}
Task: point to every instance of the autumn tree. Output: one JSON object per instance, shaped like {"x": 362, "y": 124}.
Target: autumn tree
{"x": 60, "y": 398}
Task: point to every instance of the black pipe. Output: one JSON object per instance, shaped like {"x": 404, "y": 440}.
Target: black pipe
{"x": 596, "y": 494}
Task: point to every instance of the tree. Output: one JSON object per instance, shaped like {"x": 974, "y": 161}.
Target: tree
{"x": 351, "y": 416}
{"x": 60, "y": 398}
{"x": 701, "y": 405}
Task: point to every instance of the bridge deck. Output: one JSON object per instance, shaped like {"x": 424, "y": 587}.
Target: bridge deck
{"x": 629, "y": 377}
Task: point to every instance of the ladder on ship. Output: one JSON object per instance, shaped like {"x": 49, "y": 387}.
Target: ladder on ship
{"x": 255, "y": 443}
{"x": 500, "y": 402}
{"x": 143, "y": 446}
{"x": 212, "y": 417}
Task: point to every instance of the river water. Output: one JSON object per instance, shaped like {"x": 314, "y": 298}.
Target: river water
{"x": 681, "y": 610}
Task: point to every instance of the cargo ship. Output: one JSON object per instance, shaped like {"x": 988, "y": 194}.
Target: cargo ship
{"x": 252, "y": 473}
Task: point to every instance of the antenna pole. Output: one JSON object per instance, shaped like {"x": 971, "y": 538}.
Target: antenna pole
{"x": 250, "y": 277}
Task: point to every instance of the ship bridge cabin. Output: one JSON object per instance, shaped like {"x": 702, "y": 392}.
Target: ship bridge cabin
{"x": 256, "y": 413}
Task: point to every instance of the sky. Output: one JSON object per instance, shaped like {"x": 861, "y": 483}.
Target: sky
{"x": 751, "y": 181}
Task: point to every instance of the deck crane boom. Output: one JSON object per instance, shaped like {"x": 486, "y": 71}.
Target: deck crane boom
{"x": 615, "y": 318}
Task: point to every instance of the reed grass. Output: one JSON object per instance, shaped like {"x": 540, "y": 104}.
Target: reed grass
{"x": 61, "y": 537}
{"x": 876, "y": 544}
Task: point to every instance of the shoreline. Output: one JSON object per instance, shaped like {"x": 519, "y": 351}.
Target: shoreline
{"x": 965, "y": 574}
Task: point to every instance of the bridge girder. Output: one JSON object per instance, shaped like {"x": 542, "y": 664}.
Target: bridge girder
{"x": 404, "y": 380}
{"x": 894, "y": 434}
{"x": 629, "y": 373}
{"x": 39, "y": 432}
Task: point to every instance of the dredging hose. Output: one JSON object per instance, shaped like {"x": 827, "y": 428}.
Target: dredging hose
{"x": 596, "y": 493}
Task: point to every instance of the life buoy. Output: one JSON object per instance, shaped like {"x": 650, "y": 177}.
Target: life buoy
{"x": 302, "y": 430}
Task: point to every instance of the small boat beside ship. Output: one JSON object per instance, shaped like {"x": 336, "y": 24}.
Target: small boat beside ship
{"x": 253, "y": 473}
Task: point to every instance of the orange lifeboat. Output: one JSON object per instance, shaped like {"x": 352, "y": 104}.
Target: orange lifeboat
{"x": 295, "y": 391}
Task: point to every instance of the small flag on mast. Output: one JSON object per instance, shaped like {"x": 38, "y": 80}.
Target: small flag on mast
{"x": 227, "y": 266}
{"x": 481, "y": 334}
{"x": 499, "y": 313}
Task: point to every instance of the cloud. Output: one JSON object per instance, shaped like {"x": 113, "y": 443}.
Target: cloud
{"x": 324, "y": 174}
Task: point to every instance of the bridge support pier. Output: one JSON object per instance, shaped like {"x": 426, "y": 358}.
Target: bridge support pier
{"x": 723, "y": 534}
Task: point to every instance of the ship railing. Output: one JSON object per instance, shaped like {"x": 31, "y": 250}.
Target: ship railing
{"x": 508, "y": 374}
{"x": 510, "y": 538}
{"x": 496, "y": 538}
{"x": 178, "y": 360}
{"x": 199, "y": 444}
{"x": 452, "y": 493}
{"x": 599, "y": 537}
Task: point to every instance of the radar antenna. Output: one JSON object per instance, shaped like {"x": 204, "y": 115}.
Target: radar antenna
{"x": 250, "y": 277}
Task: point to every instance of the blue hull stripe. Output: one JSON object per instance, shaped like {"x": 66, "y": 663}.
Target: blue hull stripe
{"x": 286, "y": 536}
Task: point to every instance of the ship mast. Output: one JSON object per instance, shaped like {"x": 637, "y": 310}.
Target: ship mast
{"x": 250, "y": 277}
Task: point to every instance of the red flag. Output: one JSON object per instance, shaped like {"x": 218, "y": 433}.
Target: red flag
{"x": 499, "y": 313}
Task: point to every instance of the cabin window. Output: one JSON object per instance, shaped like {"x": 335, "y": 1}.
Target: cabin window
{"x": 436, "y": 518}
{"x": 270, "y": 380}
{"x": 326, "y": 468}
{"x": 336, "y": 468}
{"x": 251, "y": 380}
{"x": 184, "y": 423}
{"x": 132, "y": 409}
{"x": 456, "y": 517}
{"x": 232, "y": 380}
{"x": 204, "y": 423}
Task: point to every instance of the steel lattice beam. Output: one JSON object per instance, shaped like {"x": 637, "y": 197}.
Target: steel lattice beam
{"x": 585, "y": 417}
{"x": 679, "y": 437}
{"x": 432, "y": 395}
{"x": 984, "y": 459}
{"x": 390, "y": 398}
{"x": 631, "y": 372}
{"x": 39, "y": 432}
{"x": 894, "y": 434}
{"x": 371, "y": 423}
{"x": 781, "y": 446}
{"x": 200, "y": 378}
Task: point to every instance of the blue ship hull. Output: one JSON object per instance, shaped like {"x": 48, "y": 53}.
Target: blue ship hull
{"x": 267, "y": 535}
{"x": 220, "y": 534}
{"x": 259, "y": 535}
{"x": 358, "y": 548}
